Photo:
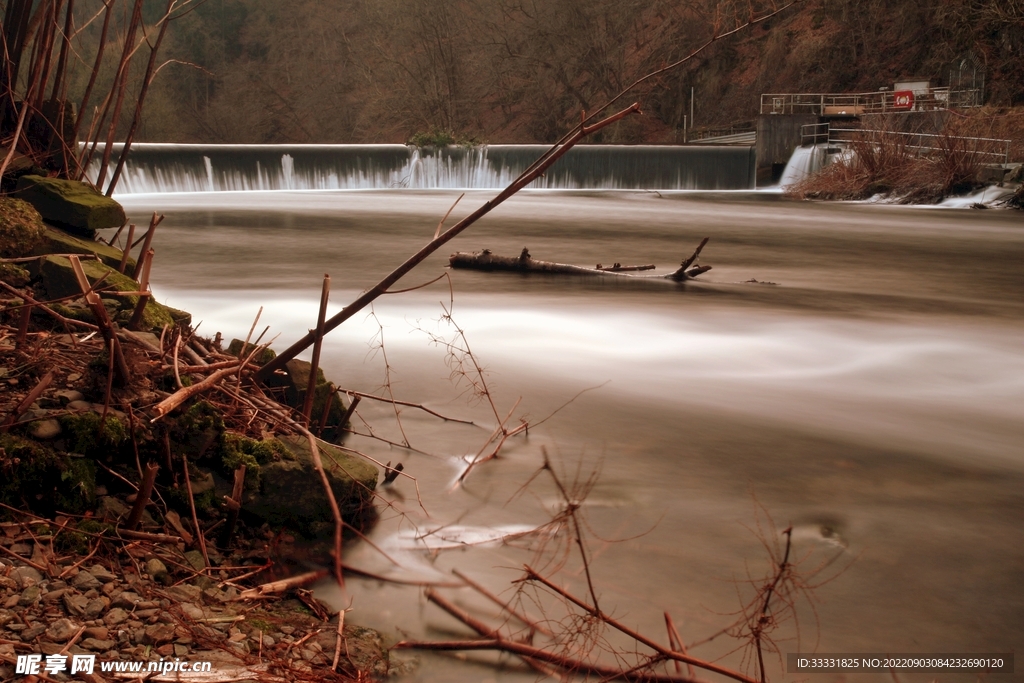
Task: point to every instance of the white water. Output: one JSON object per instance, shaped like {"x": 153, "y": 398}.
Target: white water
{"x": 804, "y": 162}
{"x": 253, "y": 168}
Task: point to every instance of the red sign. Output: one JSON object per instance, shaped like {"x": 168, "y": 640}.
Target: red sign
{"x": 903, "y": 99}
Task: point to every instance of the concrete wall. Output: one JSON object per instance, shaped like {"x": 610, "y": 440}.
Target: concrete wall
{"x": 777, "y": 136}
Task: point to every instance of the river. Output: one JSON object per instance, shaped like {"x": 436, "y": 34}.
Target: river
{"x": 871, "y": 396}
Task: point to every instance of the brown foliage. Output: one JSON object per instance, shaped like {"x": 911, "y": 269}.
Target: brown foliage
{"x": 900, "y": 165}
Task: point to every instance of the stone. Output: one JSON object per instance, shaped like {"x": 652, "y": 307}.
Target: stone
{"x": 26, "y": 576}
{"x": 78, "y": 405}
{"x": 56, "y": 241}
{"x": 98, "y": 644}
{"x": 102, "y": 573}
{"x": 54, "y": 595}
{"x": 295, "y": 381}
{"x": 193, "y": 611}
{"x": 85, "y": 581}
{"x": 195, "y": 558}
{"x": 156, "y": 568}
{"x": 21, "y": 228}
{"x": 202, "y": 483}
{"x": 61, "y": 630}
{"x": 261, "y": 358}
{"x": 125, "y": 600}
{"x": 66, "y": 396}
{"x": 75, "y": 604}
{"x": 158, "y": 634}
{"x": 32, "y": 633}
{"x": 44, "y": 430}
{"x": 96, "y": 607}
{"x": 166, "y": 650}
{"x": 14, "y": 275}
{"x": 180, "y": 650}
{"x": 70, "y": 204}
{"x": 97, "y": 632}
{"x": 115, "y": 616}
{"x": 29, "y": 596}
{"x": 111, "y": 509}
{"x": 291, "y": 494}
{"x": 185, "y": 593}
{"x": 59, "y": 280}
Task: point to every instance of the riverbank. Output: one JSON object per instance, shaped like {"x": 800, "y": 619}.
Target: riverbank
{"x": 152, "y": 503}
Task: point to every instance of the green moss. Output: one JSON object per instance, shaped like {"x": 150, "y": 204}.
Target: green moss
{"x": 262, "y": 358}
{"x": 240, "y": 450}
{"x": 89, "y": 435}
{"x": 201, "y": 416}
{"x": 21, "y": 228}
{"x": 71, "y": 204}
{"x": 74, "y": 312}
{"x": 14, "y": 274}
{"x": 56, "y": 241}
{"x": 36, "y": 477}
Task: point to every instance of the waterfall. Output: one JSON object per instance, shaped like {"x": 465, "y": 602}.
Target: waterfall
{"x": 160, "y": 167}
{"x": 804, "y": 162}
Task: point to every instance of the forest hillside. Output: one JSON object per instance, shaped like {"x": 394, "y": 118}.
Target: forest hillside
{"x": 304, "y": 71}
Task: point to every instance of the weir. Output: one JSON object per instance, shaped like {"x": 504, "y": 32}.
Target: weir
{"x": 160, "y": 167}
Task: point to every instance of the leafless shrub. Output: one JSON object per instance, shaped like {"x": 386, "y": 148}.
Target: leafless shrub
{"x": 901, "y": 166}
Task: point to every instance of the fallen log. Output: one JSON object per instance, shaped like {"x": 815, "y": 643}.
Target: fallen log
{"x": 525, "y": 263}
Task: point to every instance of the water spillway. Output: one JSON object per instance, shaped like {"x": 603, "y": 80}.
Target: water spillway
{"x": 159, "y": 167}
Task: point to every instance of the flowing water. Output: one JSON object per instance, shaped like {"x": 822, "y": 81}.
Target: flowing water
{"x": 867, "y": 389}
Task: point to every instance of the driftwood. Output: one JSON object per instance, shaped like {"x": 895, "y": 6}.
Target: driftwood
{"x": 524, "y": 263}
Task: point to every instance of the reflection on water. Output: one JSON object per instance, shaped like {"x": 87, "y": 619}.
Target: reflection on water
{"x": 873, "y": 396}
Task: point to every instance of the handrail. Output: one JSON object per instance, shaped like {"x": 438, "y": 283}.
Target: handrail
{"x": 824, "y": 133}
{"x": 853, "y": 104}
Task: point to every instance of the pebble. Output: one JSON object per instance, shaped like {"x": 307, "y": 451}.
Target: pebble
{"x": 76, "y": 604}
{"x": 44, "y": 430}
{"x": 84, "y": 581}
{"x": 54, "y": 595}
{"x": 26, "y": 576}
{"x": 102, "y": 573}
{"x": 97, "y": 644}
{"x": 29, "y": 596}
{"x": 32, "y": 633}
{"x": 96, "y": 607}
{"x": 97, "y": 632}
{"x": 115, "y": 617}
{"x": 66, "y": 396}
{"x": 157, "y": 634}
{"x": 156, "y": 568}
{"x": 61, "y": 630}
{"x": 126, "y": 599}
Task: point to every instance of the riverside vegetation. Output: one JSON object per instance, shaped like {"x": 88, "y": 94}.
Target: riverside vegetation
{"x": 107, "y": 504}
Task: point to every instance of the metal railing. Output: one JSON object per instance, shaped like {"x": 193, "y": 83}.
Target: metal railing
{"x": 922, "y": 143}
{"x": 855, "y": 104}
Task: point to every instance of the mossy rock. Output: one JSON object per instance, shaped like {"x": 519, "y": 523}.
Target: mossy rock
{"x": 33, "y": 476}
{"x": 291, "y": 493}
{"x": 236, "y": 450}
{"x": 21, "y": 228}
{"x": 261, "y": 358}
{"x": 295, "y": 382}
{"x": 14, "y": 275}
{"x": 86, "y": 434}
{"x": 58, "y": 279}
{"x": 72, "y": 205}
{"x": 56, "y": 241}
